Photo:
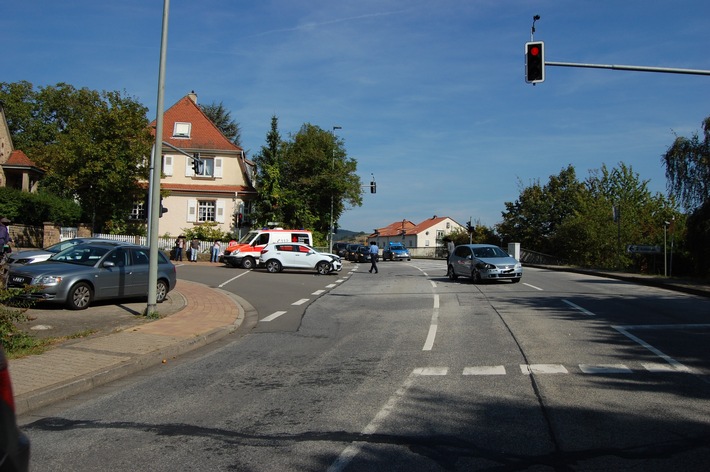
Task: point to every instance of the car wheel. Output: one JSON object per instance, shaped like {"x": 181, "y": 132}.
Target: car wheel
{"x": 161, "y": 292}
{"x": 450, "y": 272}
{"x": 323, "y": 268}
{"x": 476, "y": 277}
{"x": 79, "y": 296}
{"x": 273, "y": 266}
{"x": 248, "y": 263}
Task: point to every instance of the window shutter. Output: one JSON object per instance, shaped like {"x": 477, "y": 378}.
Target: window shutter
{"x": 188, "y": 167}
{"x": 218, "y": 167}
{"x": 219, "y": 217}
{"x": 191, "y": 211}
{"x": 168, "y": 165}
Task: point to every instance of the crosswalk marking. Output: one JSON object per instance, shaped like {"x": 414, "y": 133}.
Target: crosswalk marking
{"x": 543, "y": 369}
{"x": 605, "y": 369}
{"x": 485, "y": 370}
{"x": 550, "y": 369}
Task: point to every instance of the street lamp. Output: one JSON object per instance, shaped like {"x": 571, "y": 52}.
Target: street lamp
{"x": 332, "y": 195}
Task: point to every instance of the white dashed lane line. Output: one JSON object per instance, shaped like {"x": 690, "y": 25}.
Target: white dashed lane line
{"x": 551, "y": 369}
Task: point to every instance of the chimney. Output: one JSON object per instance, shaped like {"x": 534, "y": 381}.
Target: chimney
{"x": 193, "y": 96}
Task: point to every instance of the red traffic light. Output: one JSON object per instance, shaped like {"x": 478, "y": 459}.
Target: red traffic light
{"x": 534, "y": 62}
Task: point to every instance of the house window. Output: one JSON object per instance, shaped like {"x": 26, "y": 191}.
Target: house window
{"x": 182, "y": 130}
{"x": 207, "y": 168}
{"x": 138, "y": 212}
{"x": 206, "y": 210}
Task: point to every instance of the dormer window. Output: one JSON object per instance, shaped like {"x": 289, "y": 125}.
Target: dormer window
{"x": 182, "y": 130}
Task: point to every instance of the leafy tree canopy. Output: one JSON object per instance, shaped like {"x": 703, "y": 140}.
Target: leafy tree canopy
{"x": 300, "y": 179}
{"x": 92, "y": 144}
{"x": 687, "y": 164}
{"x": 222, "y": 119}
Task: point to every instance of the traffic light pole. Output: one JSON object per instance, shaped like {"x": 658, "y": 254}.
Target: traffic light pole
{"x": 667, "y": 70}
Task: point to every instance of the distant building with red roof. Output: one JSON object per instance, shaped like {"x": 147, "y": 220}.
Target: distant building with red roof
{"x": 222, "y": 190}
{"x": 427, "y": 235}
{"x": 16, "y": 169}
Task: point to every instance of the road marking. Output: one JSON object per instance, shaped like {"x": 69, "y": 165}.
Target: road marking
{"x": 677, "y": 365}
{"x": 300, "y": 302}
{"x": 532, "y": 286}
{"x": 433, "y": 284}
{"x": 605, "y": 369}
{"x": 577, "y": 307}
{"x": 543, "y": 369}
{"x": 431, "y": 371}
{"x": 318, "y": 292}
{"x": 274, "y": 315}
{"x": 330, "y": 286}
{"x": 354, "y": 448}
{"x": 340, "y": 281}
{"x": 485, "y": 370}
{"x": 232, "y": 279}
{"x": 429, "y": 343}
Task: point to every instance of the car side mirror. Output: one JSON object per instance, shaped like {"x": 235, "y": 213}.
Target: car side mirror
{"x": 109, "y": 264}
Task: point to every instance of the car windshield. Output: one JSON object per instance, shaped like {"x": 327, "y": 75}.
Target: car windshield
{"x": 81, "y": 254}
{"x": 489, "y": 252}
{"x": 59, "y": 247}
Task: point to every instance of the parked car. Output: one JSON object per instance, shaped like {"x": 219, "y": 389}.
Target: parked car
{"x": 483, "y": 262}
{"x": 351, "y": 251}
{"x": 362, "y": 254}
{"x": 14, "y": 444}
{"x": 341, "y": 249}
{"x": 396, "y": 251}
{"x": 30, "y": 256}
{"x": 87, "y": 272}
{"x": 278, "y": 256}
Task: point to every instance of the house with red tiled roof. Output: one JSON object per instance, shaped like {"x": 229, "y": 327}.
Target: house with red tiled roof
{"x": 16, "y": 169}
{"x": 427, "y": 237}
{"x": 223, "y": 187}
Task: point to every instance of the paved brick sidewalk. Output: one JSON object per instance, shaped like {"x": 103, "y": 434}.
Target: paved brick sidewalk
{"x": 80, "y": 365}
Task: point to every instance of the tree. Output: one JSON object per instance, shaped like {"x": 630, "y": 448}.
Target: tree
{"x": 535, "y": 217}
{"x": 222, "y": 119}
{"x": 92, "y": 144}
{"x": 268, "y": 205}
{"x": 316, "y": 173}
{"x": 687, "y": 164}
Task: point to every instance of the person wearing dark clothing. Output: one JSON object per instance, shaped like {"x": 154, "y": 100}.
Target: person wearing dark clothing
{"x": 374, "y": 255}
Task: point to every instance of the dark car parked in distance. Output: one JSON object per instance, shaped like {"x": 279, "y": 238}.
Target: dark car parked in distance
{"x": 351, "y": 254}
{"x": 362, "y": 254}
{"x": 341, "y": 249}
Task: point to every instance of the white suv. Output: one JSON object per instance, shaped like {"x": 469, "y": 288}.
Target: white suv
{"x": 278, "y": 256}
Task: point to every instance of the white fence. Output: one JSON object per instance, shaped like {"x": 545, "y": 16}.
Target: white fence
{"x": 164, "y": 244}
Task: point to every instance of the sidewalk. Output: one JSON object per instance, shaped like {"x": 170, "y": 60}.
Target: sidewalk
{"x": 203, "y": 315}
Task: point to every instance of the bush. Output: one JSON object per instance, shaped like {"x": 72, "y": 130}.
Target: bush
{"x": 12, "y": 338}
{"x": 34, "y": 209}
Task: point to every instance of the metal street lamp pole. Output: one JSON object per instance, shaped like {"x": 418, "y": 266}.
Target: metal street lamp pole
{"x": 332, "y": 196}
{"x": 154, "y": 181}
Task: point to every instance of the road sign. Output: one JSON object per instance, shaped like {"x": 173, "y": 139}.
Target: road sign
{"x": 638, "y": 249}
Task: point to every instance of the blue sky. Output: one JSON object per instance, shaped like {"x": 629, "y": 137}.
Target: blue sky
{"x": 430, "y": 95}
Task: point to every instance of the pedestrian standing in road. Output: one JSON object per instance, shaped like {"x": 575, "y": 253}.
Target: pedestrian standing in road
{"x": 374, "y": 255}
{"x": 449, "y": 248}
{"x": 215, "y": 252}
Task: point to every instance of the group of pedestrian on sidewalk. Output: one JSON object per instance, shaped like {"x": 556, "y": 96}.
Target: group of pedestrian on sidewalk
{"x": 192, "y": 248}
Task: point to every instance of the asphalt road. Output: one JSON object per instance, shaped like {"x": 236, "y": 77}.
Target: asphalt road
{"x": 406, "y": 370}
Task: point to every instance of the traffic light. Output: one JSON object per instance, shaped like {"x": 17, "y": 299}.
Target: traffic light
{"x": 373, "y": 187}
{"x": 238, "y": 219}
{"x": 197, "y": 164}
{"x": 534, "y": 62}
{"x": 162, "y": 208}
{"x": 469, "y": 228}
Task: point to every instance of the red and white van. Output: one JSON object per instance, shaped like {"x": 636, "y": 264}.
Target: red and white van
{"x": 245, "y": 252}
